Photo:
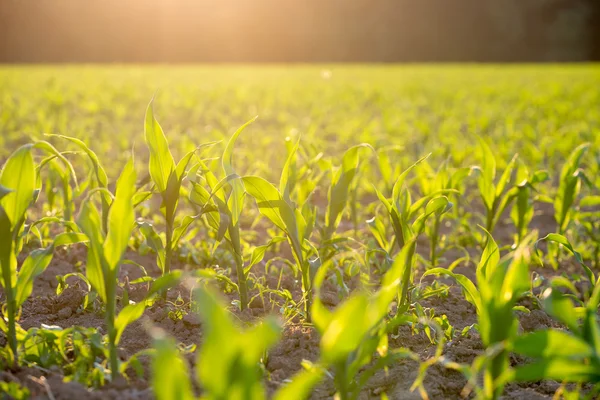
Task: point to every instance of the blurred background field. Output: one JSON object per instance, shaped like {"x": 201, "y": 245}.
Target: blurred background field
{"x": 540, "y": 111}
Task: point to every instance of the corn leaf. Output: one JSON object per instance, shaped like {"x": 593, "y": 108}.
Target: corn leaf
{"x": 121, "y": 218}
{"x": 161, "y": 164}
{"x": 18, "y": 175}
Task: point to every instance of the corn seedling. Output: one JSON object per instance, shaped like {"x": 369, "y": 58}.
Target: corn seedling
{"x": 18, "y": 190}
{"x": 297, "y": 225}
{"x": 495, "y": 198}
{"x": 167, "y": 178}
{"x": 500, "y": 284}
{"x": 105, "y": 254}
{"x": 559, "y": 355}
{"x": 569, "y": 187}
{"x": 227, "y": 209}
{"x": 228, "y": 359}
{"x": 357, "y": 329}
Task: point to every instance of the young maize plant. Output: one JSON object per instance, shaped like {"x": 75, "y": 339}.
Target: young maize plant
{"x": 297, "y": 224}
{"x": 105, "y": 254}
{"x": 167, "y": 178}
{"x": 433, "y": 183}
{"x": 100, "y": 181}
{"x": 224, "y": 210}
{"x": 228, "y": 360}
{"x": 18, "y": 190}
{"x": 587, "y": 217}
{"x": 569, "y": 187}
{"x": 522, "y": 210}
{"x": 500, "y": 284}
{"x": 495, "y": 198}
{"x": 408, "y": 222}
{"x": 559, "y": 355}
{"x": 358, "y": 329}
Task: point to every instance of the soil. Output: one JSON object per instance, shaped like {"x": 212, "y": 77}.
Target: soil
{"x": 298, "y": 342}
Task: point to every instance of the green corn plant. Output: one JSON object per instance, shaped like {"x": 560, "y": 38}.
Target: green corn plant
{"x": 403, "y": 212}
{"x": 297, "y": 224}
{"x": 227, "y": 210}
{"x": 572, "y": 356}
{"x": 228, "y": 360}
{"x": 562, "y": 241}
{"x": 569, "y": 187}
{"x": 408, "y": 221}
{"x": 522, "y": 210}
{"x": 358, "y": 329}
{"x": 18, "y": 191}
{"x": 433, "y": 183}
{"x": 105, "y": 254}
{"x": 500, "y": 284}
{"x": 167, "y": 178}
{"x": 100, "y": 178}
{"x": 339, "y": 190}
{"x": 495, "y": 198}
{"x": 587, "y": 219}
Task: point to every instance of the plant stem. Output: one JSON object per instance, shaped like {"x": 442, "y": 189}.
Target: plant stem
{"x": 434, "y": 240}
{"x": 10, "y": 305}
{"x": 169, "y": 246}
{"x": 242, "y": 285}
{"x": 307, "y": 289}
{"x": 110, "y": 325}
{"x": 341, "y": 380}
{"x": 12, "y": 328}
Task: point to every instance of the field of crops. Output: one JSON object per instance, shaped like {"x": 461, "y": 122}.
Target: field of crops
{"x": 347, "y": 232}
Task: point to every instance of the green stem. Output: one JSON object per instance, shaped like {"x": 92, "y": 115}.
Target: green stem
{"x": 11, "y": 306}
{"x": 306, "y": 288}
{"x": 111, "y": 306}
{"x": 169, "y": 246}
{"x": 493, "y": 372}
{"x": 434, "y": 240}
{"x": 12, "y": 325}
{"x": 242, "y": 285}
{"x": 341, "y": 381}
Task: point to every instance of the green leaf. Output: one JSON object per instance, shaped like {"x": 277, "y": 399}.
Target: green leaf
{"x": 170, "y": 374}
{"x": 561, "y": 308}
{"x": 488, "y": 174}
{"x": 101, "y": 177}
{"x": 121, "y": 218}
{"x": 340, "y": 187}
{"x": 437, "y": 206}
{"x": 4, "y": 191}
{"x": 560, "y": 239}
{"x": 259, "y": 251}
{"x": 33, "y": 266}
{"x": 236, "y": 198}
{"x": 272, "y": 205}
{"x": 90, "y": 223}
{"x": 472, "y": 295}
{"x": 346, "y": 329}
{"x": 506, "y": 175}
{"x": 489, "y": 259}
{"x": 568, "y": 189}
{"x": 397, "y": 189}
{"x": 8, "y": 260}
{"x": 18, "y": 175}
{"x": 166, "y": 281}
{"x": 154, "y": 242}
{"x": 560, "y": 369}
{"x": 285, "y": 184}
{"x": 302, "y": 384}
{"x": 550, "y": 343}
{"x": 161, "y": 164}
{"x": 130, "y": 313}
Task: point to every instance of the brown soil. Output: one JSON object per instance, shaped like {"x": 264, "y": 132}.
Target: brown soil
{"x": 298, "y": 342}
